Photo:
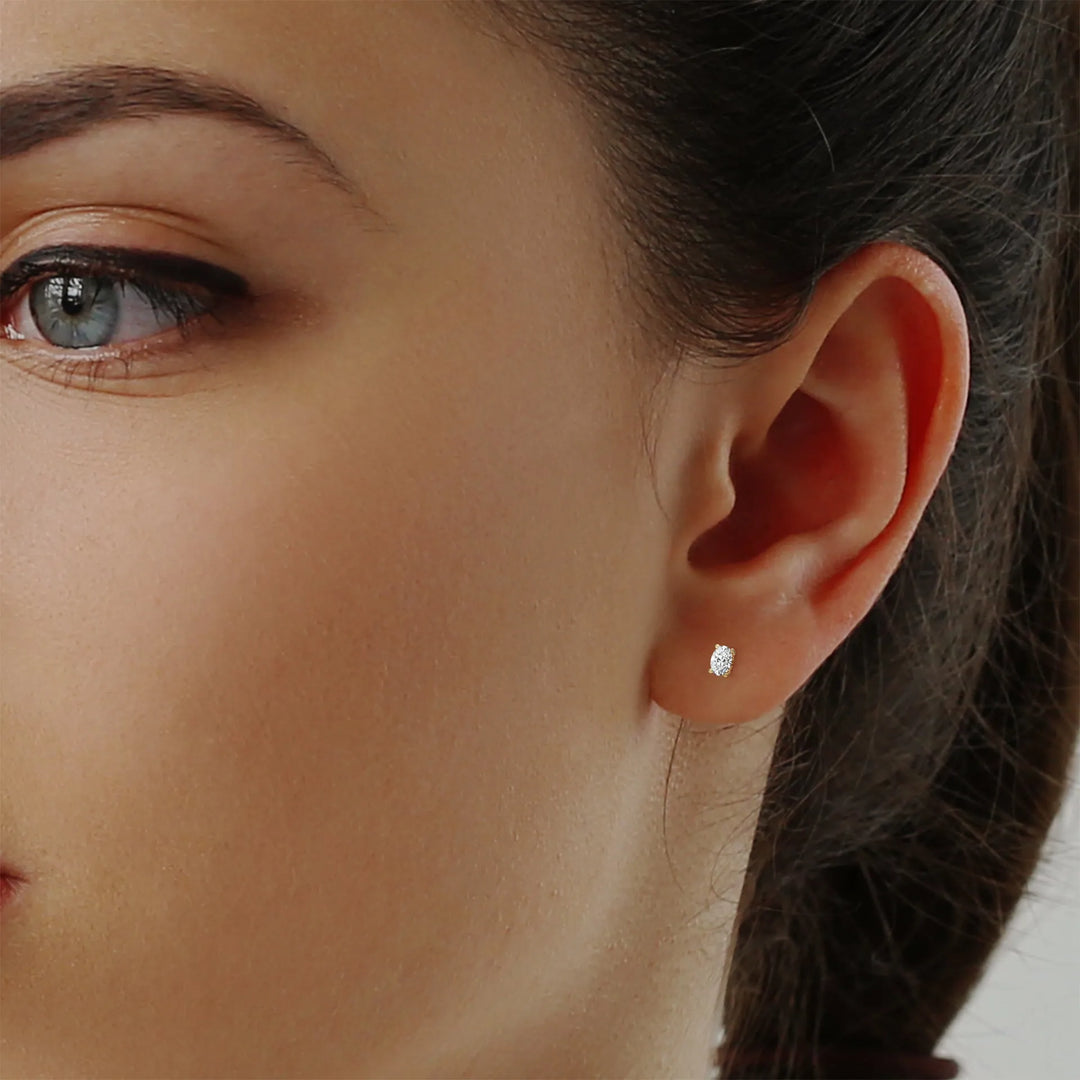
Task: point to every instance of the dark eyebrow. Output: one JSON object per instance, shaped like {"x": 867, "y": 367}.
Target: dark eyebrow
{"x": 58, "y": 104}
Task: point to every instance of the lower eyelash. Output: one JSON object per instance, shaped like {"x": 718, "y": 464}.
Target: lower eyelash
{"x": 90, "y": 370}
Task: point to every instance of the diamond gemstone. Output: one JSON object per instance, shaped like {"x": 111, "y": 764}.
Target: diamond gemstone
{"x": 720, "y": 663}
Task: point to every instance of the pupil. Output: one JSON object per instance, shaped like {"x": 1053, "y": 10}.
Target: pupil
{"x": 71, "y": 301}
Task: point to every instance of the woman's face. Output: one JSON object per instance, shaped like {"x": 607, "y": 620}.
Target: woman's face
{"x": 325, "y": 736}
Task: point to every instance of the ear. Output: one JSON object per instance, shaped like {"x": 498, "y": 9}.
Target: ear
{"x": 803, "y": 480}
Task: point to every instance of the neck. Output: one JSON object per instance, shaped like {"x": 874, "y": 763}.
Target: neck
{"x": 638, "y": 993}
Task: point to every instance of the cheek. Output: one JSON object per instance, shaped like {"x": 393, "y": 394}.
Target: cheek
{"x": 291, "y": 676}
{"x": 229, "y": 633}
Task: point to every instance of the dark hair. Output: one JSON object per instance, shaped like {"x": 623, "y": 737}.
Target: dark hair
{"x": 752, "y": 145}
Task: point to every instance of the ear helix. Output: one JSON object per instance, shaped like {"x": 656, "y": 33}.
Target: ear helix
{"x": 721, "y": 659}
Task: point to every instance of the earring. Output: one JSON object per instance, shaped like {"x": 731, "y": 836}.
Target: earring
{"x": 720, "y": 661}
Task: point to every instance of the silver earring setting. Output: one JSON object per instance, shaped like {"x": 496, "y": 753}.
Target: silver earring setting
{"x": 720, "y": 662}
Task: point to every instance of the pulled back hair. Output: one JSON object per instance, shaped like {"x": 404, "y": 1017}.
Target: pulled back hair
{"x": 751, "y": 146}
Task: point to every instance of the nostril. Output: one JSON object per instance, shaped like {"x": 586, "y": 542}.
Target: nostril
{"x": 10, "y": 880}
{"x": 9, "y": 886}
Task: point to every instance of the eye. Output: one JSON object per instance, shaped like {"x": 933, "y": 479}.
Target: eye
{"x": 83, "y": 312}
{"x": 110, "y": 302}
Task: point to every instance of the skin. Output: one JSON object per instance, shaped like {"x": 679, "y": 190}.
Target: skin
{"x": 337, "y": 705}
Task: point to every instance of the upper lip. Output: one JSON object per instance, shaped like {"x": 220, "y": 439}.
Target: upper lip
{"x": 9, "y": 871}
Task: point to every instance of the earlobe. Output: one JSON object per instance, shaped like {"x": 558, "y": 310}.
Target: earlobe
{"x": 842, "y": 434}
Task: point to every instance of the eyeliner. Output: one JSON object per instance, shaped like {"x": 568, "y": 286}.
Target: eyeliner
{"x": 121, "y": 263}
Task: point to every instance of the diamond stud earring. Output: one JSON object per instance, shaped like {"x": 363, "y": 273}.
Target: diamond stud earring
{"x": 720, "y": 661}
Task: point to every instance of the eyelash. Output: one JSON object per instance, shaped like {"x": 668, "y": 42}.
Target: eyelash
{"x": 129, "y": 269}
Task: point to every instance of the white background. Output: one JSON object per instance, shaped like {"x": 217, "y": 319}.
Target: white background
{"x": 1023, "y": 1020}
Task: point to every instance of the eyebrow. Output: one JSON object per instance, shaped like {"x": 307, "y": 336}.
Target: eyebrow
{"x": 59, "y": 104}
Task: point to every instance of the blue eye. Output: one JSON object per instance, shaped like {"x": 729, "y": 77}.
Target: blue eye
{"x": 92, "y": 298}
{"x": 86, "y": 312}
{"x": 75, "y": 312}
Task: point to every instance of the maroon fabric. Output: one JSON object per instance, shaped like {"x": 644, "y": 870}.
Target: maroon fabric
{"x": 853, "y": 1064}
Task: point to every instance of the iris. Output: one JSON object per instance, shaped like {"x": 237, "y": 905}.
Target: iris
{"x": 75, "y": 312}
